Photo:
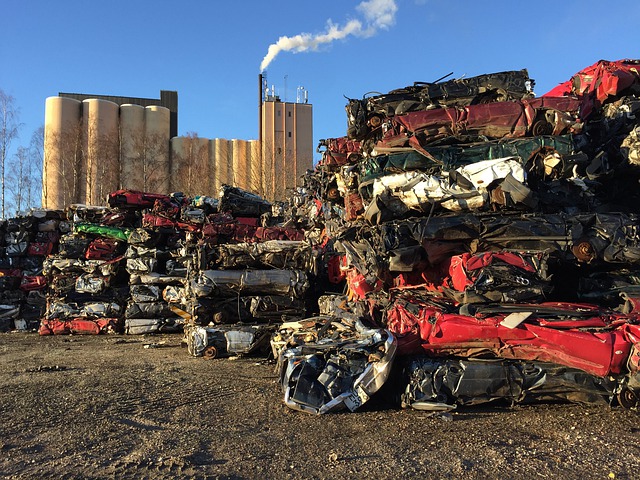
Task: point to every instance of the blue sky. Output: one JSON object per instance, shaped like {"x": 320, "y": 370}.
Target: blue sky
{"x": 210, "y": 52}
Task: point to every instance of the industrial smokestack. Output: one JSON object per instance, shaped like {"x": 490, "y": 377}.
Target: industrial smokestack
{"x": 260, "y": 109}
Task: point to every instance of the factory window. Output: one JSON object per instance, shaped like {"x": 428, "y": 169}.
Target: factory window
{"x": 289, "y": 134}
{"x": 279, "y": 112}
{"x": 289, "y": 113}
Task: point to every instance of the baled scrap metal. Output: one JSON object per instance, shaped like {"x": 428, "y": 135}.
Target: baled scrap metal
{"x": 155, "y": 279}
{"x": 103, "y": 231}
{"x": 142, "y": 326}
{"x": 25, "y": 241}
{"x": 82, "y": 326}
{"x": 247, "y": 309}
{"x": 241, "y": 203}
{"x": 366, "y": 115}
{"x": 443, "y": 384}
{"x": 337, "y": 366}
{"x": 91, "y": 308}
{"x": 586, "y": 337}
{"x": 281, "y": 254}
{"x": 145, "y": 293}
{"x": 91, "y": 283}
{"x": 223, "y": 341}
{"x": 148, "y": 310}
{"x": 250, "y": 282}
{"x": 73, "y": 246}
{"x": 463, "y": 189}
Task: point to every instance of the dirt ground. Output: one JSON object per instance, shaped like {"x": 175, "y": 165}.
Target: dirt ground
{"x": 107, "y": 407}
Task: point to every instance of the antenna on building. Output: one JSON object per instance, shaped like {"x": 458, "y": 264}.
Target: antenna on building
{"x": 285, "y": 88}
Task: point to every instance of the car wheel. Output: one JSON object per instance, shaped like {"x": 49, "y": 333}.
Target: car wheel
{"x": 628, "y": 398}
{"x": 541, "y": 126}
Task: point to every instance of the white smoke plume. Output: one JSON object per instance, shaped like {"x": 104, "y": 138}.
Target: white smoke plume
{"x": 376, "y": 15}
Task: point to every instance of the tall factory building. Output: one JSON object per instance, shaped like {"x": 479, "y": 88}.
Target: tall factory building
{"x": 96, "y": 144}
{"x": 286, "y": 136}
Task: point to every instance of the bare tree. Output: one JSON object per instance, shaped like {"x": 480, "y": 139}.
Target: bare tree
{"x": 9, "y": 127}
{"x": 19, "y": 181}
{"x": 274, "y": 174}
{"x": 62, "y": 172}
{"x": 100, "y": 153}
{"x": 145, "y": 163}
{"x": 36, "y": 162}
{"x": 155, "y": 166}
{"x": 193, "y": 172}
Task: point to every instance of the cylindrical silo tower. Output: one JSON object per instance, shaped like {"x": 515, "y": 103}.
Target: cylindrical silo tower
{"x": 223, "y": 155}
{"x": 255, "y": 160}
{"x": 60, "y": 173}
{"x": 190, "y": 166}
{"x": 240, "y": 173}
{"x": 156, "y": 167}
{"x": 101, "y": 148}
{"x": 177, "y": 160}
{"x": 132, "y": 146}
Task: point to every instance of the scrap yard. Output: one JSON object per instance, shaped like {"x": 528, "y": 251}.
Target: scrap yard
{"x": 454, "y": 288}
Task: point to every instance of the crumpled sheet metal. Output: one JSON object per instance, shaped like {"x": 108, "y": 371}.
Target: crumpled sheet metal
{"x": 55, "y": 263}
{"x": 582, "y": 336}
{"x": 143, "y": 326}
{"x": 90, "y": 283}
{"x": 226, "y": 283}
{"x": 502, "y": 277}
{"x": 280, "y": 254}
{"x": 223, "y": 341}
{"x": 537, "y": 116}
{"x": 444, "y": 383}
{"x": 367, "y": 114}
{"x": 82, "y": 326}
{"x": 9, "y": 312}
{"x": 148, "y": 310}
{"x": 61, "y": 309}
{"x": 241, "y": 203}
{"x": 340, "y": 367}
{"x": 247, "y": 309}
{"x": 599, "y": 82}
{"x": 467, "y": 190}
{"x": 581, "y": 238}
{"x": 145, "y": 293}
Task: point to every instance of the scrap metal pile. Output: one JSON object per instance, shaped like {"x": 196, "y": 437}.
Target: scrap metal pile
{"x": 24, "y": 243}
{"x": 465, "y": 242}
{"x": 493, "y": 234}
{"x": 149, "y": 262}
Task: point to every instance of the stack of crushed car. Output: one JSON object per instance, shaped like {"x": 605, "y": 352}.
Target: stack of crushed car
{"x": 85, "y": 275}
{"x": 254, "y": 270}
{"x": 492, "y": 234}
{"x": 149, "y": 261}
{"x": 25, "y": 241}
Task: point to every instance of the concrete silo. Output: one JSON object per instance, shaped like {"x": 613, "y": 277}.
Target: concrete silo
{"x": 239, "y": 157}
{"x": 255, "y": 159}
{"x": 178, "y": 149}
{"x": 222, "y": 154}
{"x": 156, "y": 167}
{"x": 132, "y": 146}
{"x": 190, "y": 165}
{"x": 100, "y": 120}
{"x": 62, "y": 137}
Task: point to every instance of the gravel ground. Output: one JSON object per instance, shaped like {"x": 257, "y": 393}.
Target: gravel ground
{"x": 107, "y": 407}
